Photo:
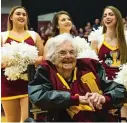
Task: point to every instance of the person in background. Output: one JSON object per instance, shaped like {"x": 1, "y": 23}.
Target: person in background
{"x": 81, "y": 32}
{"x": 97, "y": 24}
{"x": 61, "y": 23}
{"x": 86, "y": 36}
{"x": 112, "y": 49}
{"x": 73, "y": 89}
{"x": 74, "y": 30}
{"x": 88, "y": 27}
{"x": 14, "y": 94}
{"x": 48, "y": 32}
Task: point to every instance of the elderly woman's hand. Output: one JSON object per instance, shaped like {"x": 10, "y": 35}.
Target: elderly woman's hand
{"x": 84, "y": 100}
{"x": 95, "y": 99}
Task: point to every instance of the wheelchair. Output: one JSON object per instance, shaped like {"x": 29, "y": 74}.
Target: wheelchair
{"x": 37, "y": 115}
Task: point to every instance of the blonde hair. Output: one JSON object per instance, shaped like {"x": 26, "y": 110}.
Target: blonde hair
{"x": 120, "y": 34}
{"x": 10, "y": 23}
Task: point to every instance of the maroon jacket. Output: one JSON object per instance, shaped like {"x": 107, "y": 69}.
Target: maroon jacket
{"x": 50, "y": 91}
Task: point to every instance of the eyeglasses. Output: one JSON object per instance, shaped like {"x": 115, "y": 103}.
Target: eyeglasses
{"x": 63, "y": 53}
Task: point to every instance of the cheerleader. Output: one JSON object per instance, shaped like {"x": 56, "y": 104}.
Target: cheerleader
{"x": 110, "y": 43}
{"x": 15, "y": 93}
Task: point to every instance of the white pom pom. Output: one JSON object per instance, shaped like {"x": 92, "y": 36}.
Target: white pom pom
{"x": 18, "y": 56}
{"x": 122, "y": 75}
{"x": 96, "y": 35}
{"x": 84, "y": 49}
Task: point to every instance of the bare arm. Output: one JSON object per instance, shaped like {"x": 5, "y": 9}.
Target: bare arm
{"x": 40, "y": 47}
{"x": 94, "y": 45}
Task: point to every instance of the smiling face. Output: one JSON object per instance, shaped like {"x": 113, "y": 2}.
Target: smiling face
{"x": 109, "y": 18}
{"x": 19, "y": 17}
{"x": 64, "y": 23}
{"x": 65, "y": 58}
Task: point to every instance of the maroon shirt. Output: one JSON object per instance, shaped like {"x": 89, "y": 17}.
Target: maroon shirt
{"x": 18, "y": 87}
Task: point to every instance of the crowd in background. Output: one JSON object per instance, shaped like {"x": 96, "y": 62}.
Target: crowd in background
{"x": 46, "y": 30}
{"x": 18, "y": 31}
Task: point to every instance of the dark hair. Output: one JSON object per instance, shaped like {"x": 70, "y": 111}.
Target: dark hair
{"x": 55, "y": 22}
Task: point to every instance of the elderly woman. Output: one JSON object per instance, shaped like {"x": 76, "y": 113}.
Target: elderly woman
{"x": 73, "y": 89}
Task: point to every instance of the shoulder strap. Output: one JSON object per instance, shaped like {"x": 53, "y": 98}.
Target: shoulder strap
{"x": 33, "y": 35}
{"x": 4, "y": 36}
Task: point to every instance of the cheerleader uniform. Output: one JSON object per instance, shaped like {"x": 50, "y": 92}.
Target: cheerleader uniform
{"x": 17, "y": 88}
{"x": 110, "y": 57}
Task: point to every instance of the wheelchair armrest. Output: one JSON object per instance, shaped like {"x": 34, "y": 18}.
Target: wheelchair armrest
{"x": 31, "y": 72}
{"x": 37, "y": 110}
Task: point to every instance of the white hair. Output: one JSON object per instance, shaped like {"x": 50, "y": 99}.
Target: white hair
{"x": 52, "y": 44}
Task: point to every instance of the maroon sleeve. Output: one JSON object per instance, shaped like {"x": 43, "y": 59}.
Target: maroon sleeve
{"x": 108, "y": 103}
{"x": 75, "y": 100}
